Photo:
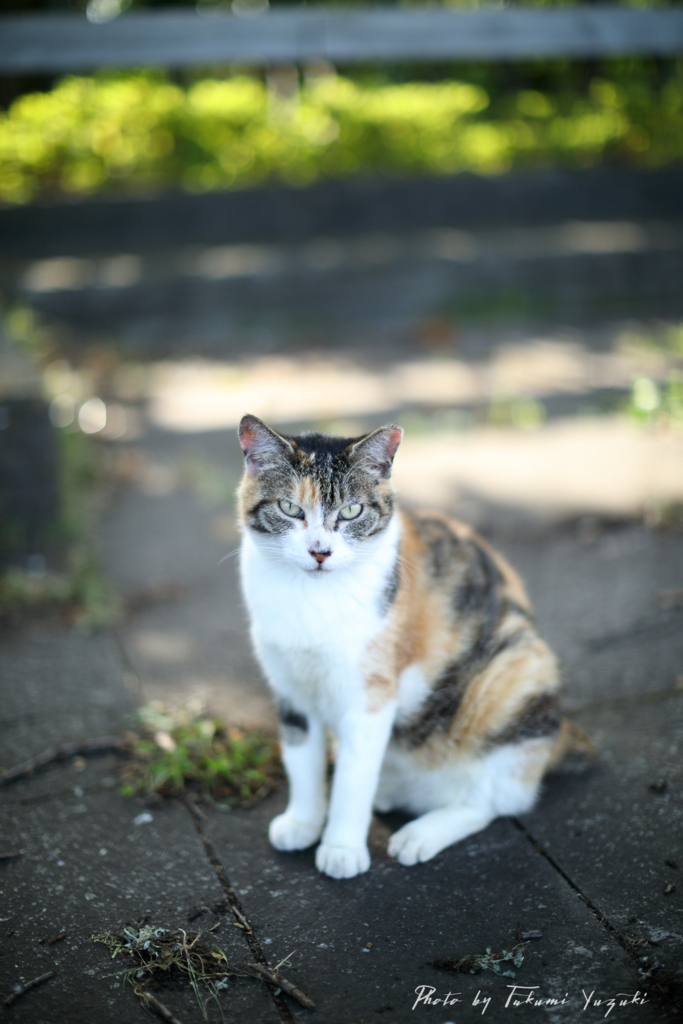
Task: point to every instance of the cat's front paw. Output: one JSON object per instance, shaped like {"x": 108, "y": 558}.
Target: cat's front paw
{"x": 289, "y": 833}
{"x": 342, "y": 861}
{"x": 414, "y": 843}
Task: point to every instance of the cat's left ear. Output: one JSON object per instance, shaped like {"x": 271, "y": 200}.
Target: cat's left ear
{"x": 375, "y": 452}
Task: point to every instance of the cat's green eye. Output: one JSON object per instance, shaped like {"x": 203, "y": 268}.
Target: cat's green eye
{"x": 290, "y": 509}
{"x": 350, "y": 511}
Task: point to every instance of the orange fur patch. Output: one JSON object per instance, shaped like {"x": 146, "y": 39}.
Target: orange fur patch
{"x": 380, "y": 690}
{"x": 247, "y": 495}
{"x": 420, "y": 631}
{"x": 537, "y": 758}
{"x": 307, "y": 493}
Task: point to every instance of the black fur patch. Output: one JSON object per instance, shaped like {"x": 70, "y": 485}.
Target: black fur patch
{"x": 540, "y": 716}
{"x": 325, "y": 447}
{"x": 480, "y": 607}
{"x": 442, "y": 705}
{"x": 294, "y": 724}
{"x": 437, "y": 712}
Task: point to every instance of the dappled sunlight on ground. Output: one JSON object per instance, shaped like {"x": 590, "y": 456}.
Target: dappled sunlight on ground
{"x": 474, "y": 429}
{"x": 197, "y": 395}
{"x": 600, "y": 465}
{"x": 237, "y": 701}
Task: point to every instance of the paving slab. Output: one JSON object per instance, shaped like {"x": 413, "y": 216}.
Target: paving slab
{"x": 58, "y": 685}
{"x": 618, "y": 834}
{"x": 86, "y": 867}
{"x": 608, "y": 602}
{"x": 470, "y": 897}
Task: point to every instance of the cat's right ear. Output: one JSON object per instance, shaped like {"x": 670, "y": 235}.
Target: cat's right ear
{"x": 263, "y": 448}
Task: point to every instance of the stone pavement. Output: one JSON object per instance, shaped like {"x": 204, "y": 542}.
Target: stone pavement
{"x": 591, "y": 868}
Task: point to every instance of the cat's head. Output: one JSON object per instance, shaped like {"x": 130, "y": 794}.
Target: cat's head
{"x": 315, "y": 500}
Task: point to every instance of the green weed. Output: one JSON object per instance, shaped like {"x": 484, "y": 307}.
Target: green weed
{"x": 156, "y": 953}
{"x": 491, "y": 960}
{"x": 174, "y": 751}
{"x": 653, "y": 403}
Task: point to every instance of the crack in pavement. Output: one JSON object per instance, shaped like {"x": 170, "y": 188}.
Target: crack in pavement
{"x": 199, "y": 821}
{"x": 630, "y": 947}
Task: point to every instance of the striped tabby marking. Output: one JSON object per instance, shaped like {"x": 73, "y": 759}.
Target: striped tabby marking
{"x": 315, "y": 470}
{"x": 490, "y": 621}
{"x": 540, "y": 717}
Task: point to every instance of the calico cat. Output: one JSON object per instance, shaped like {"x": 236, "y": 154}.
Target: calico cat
{"x": 405, "y": 635}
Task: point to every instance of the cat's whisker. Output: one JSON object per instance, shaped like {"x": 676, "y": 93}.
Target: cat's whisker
{"x": 406, "y": 562}
{"x": 230, "y": 554}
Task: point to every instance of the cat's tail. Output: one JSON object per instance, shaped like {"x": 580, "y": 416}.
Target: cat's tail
{"x": 573, "y": 751}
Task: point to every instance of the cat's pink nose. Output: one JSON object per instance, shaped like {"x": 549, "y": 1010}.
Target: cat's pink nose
{"x": 320, "y": 556}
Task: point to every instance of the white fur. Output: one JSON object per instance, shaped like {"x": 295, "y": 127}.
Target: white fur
{"x": 311, "y": 629}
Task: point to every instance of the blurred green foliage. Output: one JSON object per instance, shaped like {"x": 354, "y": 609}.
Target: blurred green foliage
{"x": 79, "y": 591}
{"x": 74, "y": 587}
{"x": 139, "y": 131}
{"x": 659, "y": 402}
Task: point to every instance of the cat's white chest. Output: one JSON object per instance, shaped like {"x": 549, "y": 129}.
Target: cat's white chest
{"x": 317, "y": 626}
{"x": 309, "y": 611}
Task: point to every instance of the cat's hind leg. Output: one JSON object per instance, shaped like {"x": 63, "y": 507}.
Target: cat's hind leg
{"x": 304, "y": 756}
{"x": 503, "y": 782}
{"x": 428, "y": 835}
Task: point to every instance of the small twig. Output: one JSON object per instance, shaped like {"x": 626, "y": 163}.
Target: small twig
{"x": 53, "y": 938}
{"x": 241, "y": 919}
{"x": 29, "y": 985}
{"x": 154, "y": 1004}
{"x": 275, "y": 978}
{"x": 285, "y": 961}
{"x": 61, "y": 753}
{"x": 10, "y": 856}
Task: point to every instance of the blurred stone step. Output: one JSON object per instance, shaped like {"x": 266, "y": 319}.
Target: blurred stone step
{"x": 215, "y": 300}
{"x": 337, "y": 208}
